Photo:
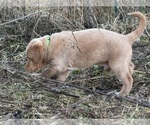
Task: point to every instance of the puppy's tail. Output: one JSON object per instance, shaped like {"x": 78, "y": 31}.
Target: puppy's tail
{"x": 139, "y": 31}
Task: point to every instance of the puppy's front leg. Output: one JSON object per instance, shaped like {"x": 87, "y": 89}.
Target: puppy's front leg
{"x": 49, "y": 72}
{"x": 63, "y": 76}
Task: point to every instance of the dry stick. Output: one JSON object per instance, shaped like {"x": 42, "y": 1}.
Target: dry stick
{"x": 36, "y": 33}
{"x": 77, "y": 43}
{"x": 86, "y": 89}
{"x": 19, "y": 18}
{"x": 36, "y": 26}
{"x": 57, "y": 91}
{"x": 80, "y": 101}
{"x": 16, "y": 73}
{"x": 127, "y": 98}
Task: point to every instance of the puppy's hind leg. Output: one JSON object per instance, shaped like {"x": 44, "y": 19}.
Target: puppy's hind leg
{"x": 123, "y": 73}
{"x": 131, "y": 67}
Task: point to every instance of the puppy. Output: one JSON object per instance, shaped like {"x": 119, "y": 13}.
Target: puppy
{"x": 67, "y": 51}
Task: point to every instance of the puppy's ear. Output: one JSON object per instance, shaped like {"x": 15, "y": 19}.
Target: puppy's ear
{"x": 38, "y": 52}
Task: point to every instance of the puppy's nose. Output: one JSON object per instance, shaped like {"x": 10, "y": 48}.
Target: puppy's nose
{"x": 28, "y": 69}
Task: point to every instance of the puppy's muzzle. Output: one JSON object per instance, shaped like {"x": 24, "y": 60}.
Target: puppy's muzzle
{"x": 30, "y": 69}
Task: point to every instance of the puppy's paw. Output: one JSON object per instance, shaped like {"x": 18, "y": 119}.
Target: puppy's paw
{"x": 112, "y": 95}
{"x": 116, "y": 94}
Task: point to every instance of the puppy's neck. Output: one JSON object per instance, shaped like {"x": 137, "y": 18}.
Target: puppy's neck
{"x": 48, "y": 40}
{"x": 46, "y": 45}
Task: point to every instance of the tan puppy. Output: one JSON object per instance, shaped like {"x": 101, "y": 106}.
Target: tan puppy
{"x": 81, "y": 49}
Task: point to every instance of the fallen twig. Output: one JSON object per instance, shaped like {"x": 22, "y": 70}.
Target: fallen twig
{"x": 16, "y": 73}
{"x": 127, "y": 98}
{"x": 19, "y": 18}
{"x": 43, "y": 84}
{"x": 81, "y": 101}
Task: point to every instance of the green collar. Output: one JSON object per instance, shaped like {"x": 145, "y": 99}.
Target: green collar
{"x": 48, "y": 40}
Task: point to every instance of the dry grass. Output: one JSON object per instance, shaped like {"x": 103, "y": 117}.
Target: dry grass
{"x": 22, "y": 97}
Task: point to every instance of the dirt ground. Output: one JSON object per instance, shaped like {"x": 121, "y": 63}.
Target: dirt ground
{"x": 83, "y": 95}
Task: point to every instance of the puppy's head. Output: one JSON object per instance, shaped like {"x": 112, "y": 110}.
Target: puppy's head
{"x": 35, "y": 52}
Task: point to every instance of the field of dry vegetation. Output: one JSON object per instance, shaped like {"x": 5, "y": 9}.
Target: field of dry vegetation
{"x": 84, "y": 94}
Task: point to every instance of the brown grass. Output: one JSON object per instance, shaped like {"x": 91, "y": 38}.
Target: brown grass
{"x": 20, "y": 97}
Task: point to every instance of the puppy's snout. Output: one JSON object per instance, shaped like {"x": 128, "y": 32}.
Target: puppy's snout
{"x": 31, "y": 67}
{"x": 28, "y": 68}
